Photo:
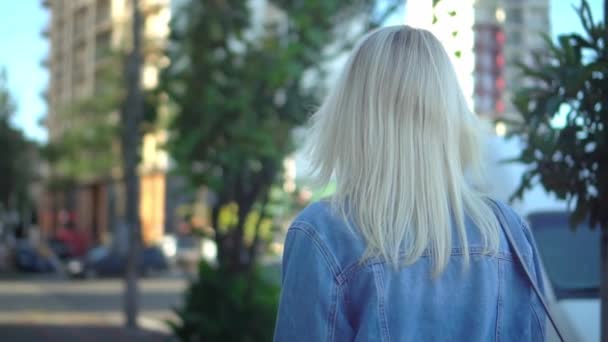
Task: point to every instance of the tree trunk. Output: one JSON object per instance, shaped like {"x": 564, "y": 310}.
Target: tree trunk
{"x": 131, "y": 116}
{"x": 244, "y": 207}
{"x": 604, "y": 284}
{"x": 253, "y": 249}
{"x": 111, "y": 201}
{"x": 218, "y": 236}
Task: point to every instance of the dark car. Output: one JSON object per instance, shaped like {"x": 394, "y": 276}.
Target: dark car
{"x": 60, "y": 249}
{"x": 29, "y": 259}
{"x": 103, "y": 261}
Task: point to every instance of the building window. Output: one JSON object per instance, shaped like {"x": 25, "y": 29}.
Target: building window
{"x": 78, "y": 70}
{"x": 59, "y": 30}
{"x": 102, "y": 11}
{"x": 58, "y": 77}
{"x": 514, "y": 58}
{"x": 103, "y": 44}
{"x": 97, "y": 85}
{"x": 515, "y": 15}
{"x": 80, "y": 20}
{"x": 514, "y": 38}
{"x": 537, "y": 19}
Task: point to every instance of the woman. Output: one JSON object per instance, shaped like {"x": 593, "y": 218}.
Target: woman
{"x": 407, "y": 249}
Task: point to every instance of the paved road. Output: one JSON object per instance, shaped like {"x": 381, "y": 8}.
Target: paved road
{"x": 49, "y": 309}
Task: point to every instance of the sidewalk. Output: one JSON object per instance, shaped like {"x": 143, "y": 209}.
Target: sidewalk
{"x": 48, "y": 309}
{"x": 77, "y": 333}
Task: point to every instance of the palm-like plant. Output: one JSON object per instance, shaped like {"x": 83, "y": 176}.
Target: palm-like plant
{"x": 569, "y": 81}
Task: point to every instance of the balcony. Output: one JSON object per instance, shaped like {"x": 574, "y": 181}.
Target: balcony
{"x": 103, "y": 43}
{"x": 45, "y": 95}
{"x": 103, "y": 14}
{"x": 45, "y": 33}
{"x": 103, "y": 23}
{"x": 103, "y": 26}
{"x": 45, "y": 62}
{"x": 79, "y": 38}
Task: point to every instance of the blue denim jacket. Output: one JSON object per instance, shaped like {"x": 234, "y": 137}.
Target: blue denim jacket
{"x": 329, "y": 295}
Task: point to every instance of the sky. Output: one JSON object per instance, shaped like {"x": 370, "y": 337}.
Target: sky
{"x": 23, "y": 48}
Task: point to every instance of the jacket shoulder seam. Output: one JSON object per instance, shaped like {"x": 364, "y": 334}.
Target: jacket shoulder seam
{"x": 330, "y": 260}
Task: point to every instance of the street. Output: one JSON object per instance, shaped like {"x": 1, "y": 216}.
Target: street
{"x": 46, "y": 308}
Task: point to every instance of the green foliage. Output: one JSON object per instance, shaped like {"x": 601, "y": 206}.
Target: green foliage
{"x": 7, "y": 106}
{"x": 570, "y": 78}
{"x": 222, "y": 306}
{"x": 17, "y": 164}
{"x": 88, "y": 146}
{"x": 239, "y": 90}
{"x": 452, "y": 13}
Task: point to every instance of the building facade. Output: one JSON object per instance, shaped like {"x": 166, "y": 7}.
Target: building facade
{"x": 507, "y": 32}
{"x": 486, "y": 39}
{"x": 83, "y": 36}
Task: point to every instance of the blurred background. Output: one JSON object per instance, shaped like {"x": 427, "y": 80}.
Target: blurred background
{"x": 204, "y": 103}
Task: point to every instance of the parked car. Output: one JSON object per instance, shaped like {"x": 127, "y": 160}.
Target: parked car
{"x": 60, "y": 249}
{"x": 191, "y": 249}
{"x": 571, "y": 261}
{"x": 188, "y": 252}
{"x": 29, "y": 259}
{"x": 103, "y": 261}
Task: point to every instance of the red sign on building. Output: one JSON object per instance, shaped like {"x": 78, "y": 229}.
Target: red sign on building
{"x": 489, "y": 70}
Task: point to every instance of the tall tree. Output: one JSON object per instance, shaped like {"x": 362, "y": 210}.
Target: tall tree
{"x": 570, "y": 161}
{"x": 132, "y": 114}
{"x": 243, "y": 75}
{"x": 88, "y": 147}
{"x": 16, "y": 169}
{"x": 240, "y": 85}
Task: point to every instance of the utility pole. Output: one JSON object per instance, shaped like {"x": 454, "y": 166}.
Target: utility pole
{"x": 132, "y": 113}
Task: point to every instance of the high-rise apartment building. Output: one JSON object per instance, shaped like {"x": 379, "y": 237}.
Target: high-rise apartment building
{"x": 81, "y": 35}
{"x": 84, "y": 36}
{"x": 507, "y": 32}
{"x": 485, "y": 39}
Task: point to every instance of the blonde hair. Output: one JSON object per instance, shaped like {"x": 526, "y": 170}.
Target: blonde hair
{"x": 397, "y": 135}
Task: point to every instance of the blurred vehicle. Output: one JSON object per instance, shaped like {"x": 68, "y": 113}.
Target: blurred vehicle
{"x": 74, "y": 240}
{"x": 188, "y": 251}
{"x": 60, "y": 249}
{"x": 169, "y": 246}
{"x": 103, "y": 261}
{"x": 29, "y": 259}
{"x": 571, "y": 261}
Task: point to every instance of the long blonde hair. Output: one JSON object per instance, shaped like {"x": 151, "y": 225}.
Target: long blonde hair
{"x": 398, "y": 137}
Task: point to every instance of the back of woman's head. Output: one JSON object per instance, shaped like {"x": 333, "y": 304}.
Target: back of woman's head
{"x": 397, "y": 135}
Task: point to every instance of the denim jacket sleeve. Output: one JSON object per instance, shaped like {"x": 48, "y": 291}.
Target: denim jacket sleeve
{"x": 309, "y": 294}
